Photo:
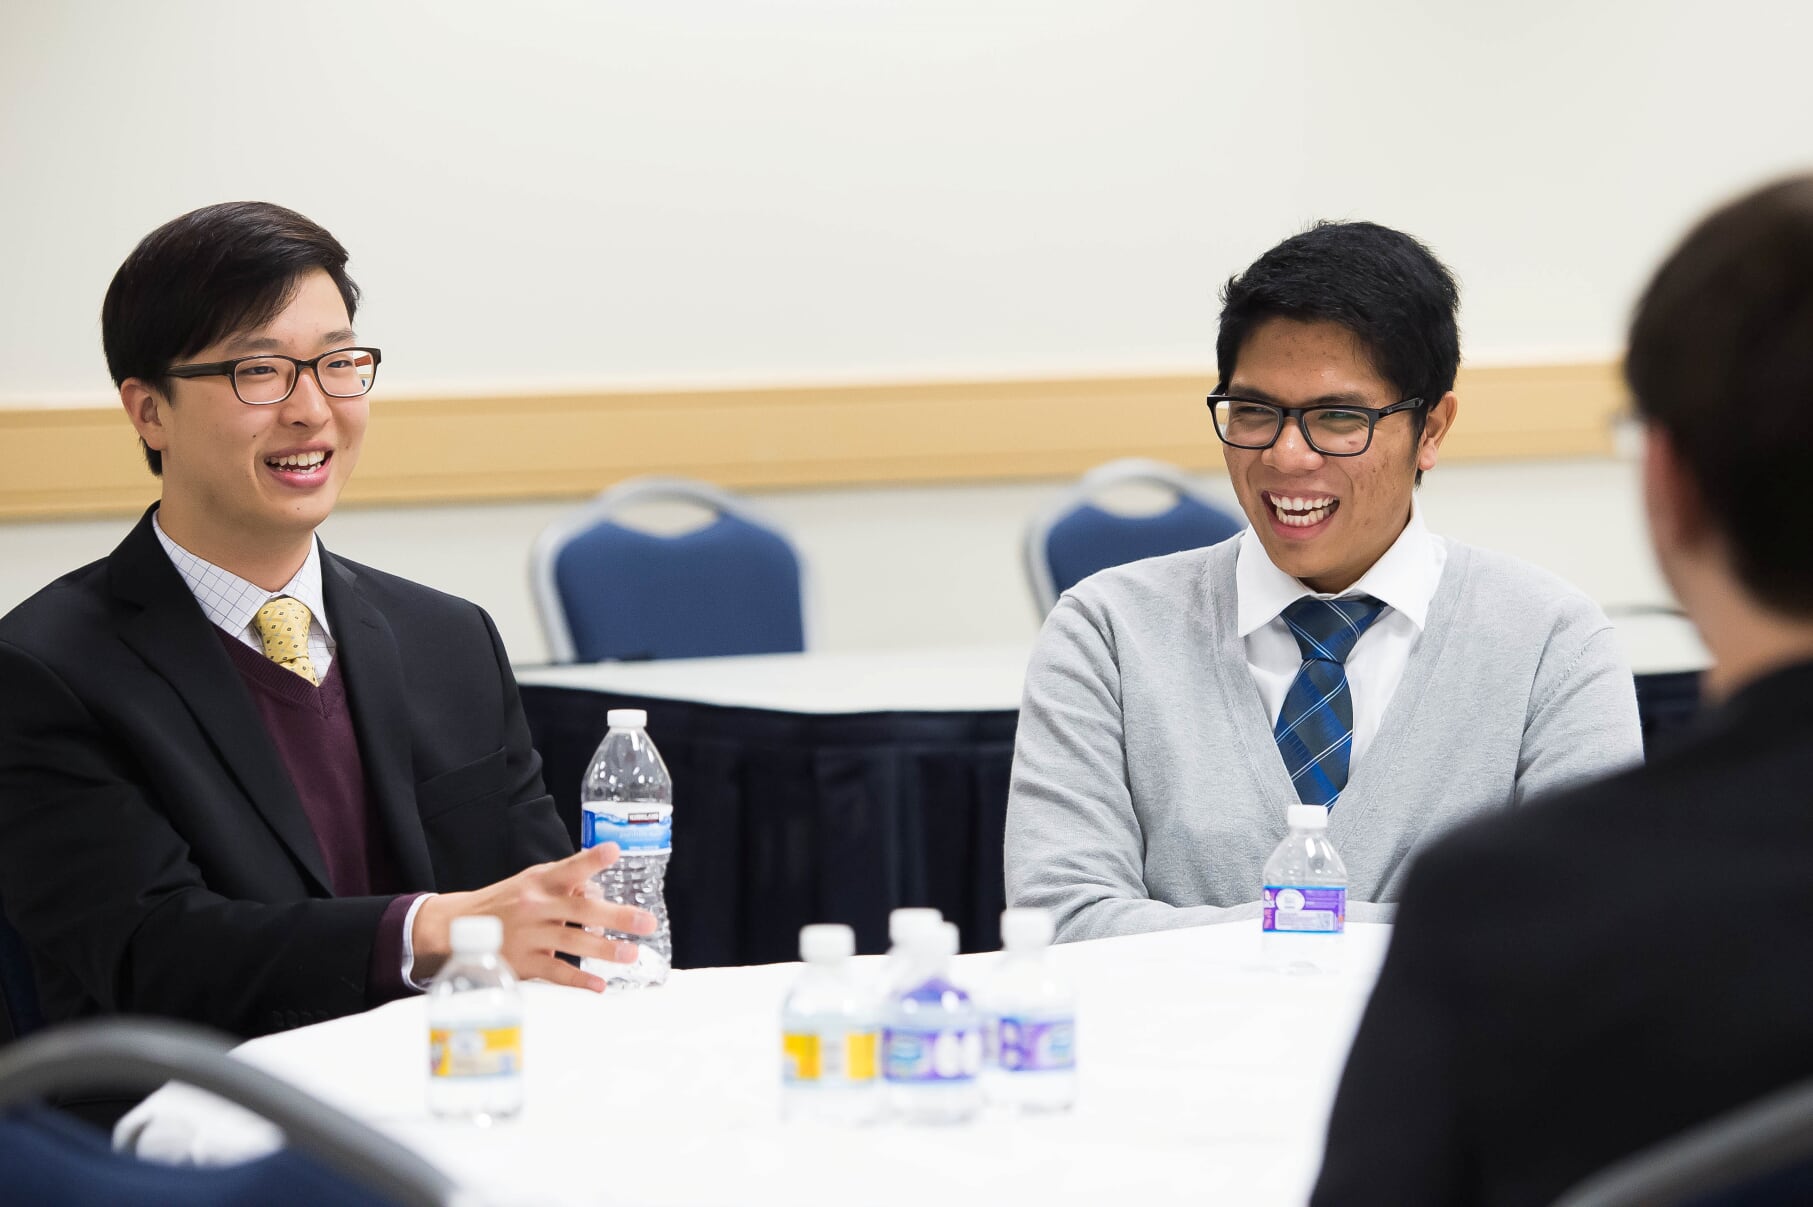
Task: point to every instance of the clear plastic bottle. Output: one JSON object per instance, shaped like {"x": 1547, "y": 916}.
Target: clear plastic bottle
{"x": 903, "y": 924}
{"x": 829, "y": 1035}
{"x": 628, "y": 798}
{"x": 1304, "y": 898}
{"x": 931, "y": 1046}
{"x": 475, "y": 1065}
{"x": 1031, "y": 1017}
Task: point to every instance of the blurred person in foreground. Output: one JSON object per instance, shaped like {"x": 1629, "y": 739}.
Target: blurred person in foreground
{"x": 1592, "y": 975}
{"x": 1336, "y": 653}
{"x": 244, "y": 781}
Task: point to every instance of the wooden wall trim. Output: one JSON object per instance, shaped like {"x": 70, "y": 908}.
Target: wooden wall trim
{"x": 85, "y": 461}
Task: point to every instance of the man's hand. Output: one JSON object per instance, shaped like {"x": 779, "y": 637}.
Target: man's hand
{"x": 540, "y": 908}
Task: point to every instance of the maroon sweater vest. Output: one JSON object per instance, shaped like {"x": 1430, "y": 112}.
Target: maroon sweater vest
{"x": 312, "y": 730}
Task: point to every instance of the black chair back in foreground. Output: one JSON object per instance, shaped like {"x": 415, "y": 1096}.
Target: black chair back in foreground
{"x": 50, "y": 1158}
{"x": 1759, "y": 1155}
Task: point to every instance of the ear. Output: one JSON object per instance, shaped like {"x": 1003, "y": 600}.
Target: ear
{"x": 1671, "y": 498}
{"x": 145, "y": 407}
{"x": 1435, "y": 430}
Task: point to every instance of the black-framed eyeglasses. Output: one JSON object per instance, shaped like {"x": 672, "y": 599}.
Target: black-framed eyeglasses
{"x": 265, "y": 380}
{"x": 1331, "y": 429}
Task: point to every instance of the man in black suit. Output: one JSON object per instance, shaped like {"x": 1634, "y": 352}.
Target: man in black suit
{"x": 243, "y": 781}
{"x": 1572, "y": 983}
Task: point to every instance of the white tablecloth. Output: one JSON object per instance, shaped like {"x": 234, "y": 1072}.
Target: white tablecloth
{"x": 1204, "y": 1077}
{"x": 975, "y": 679}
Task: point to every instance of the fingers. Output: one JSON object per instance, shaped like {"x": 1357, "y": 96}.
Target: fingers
{"x": 582, "y": 943}
{"x": 560, "y": 972}
{"x": 604, "y": 915}
{"x": 566, "y": 875}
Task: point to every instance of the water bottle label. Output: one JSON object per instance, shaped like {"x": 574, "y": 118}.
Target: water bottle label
{"x": 642, "y": 828}
{"x": 811, "y": 1059}
{"x": 931, "y": 1057}
{"x": 466, "y": 1052}
{"x": 1303, "y": 910}
{"x": 1035, "y": 1045}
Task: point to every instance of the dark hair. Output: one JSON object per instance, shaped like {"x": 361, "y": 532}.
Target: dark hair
{"x": 1721, "y": 360}
{"x": 1381, "y": 284}
{"x": 206, "y": 275}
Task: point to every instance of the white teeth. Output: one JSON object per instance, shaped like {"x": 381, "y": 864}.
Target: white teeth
{"x": 298, "y": 460}
{"x": 1303, "y": 512}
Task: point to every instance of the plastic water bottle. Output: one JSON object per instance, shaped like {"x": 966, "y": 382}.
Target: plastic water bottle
{"x": 931, "y": 1045}
{"x": 829, "y": 1035}
{"x": 1304, "y": 899}
{"x": 475, "y": 1062}
{"x": 1031, "y": 1016}
{"x": 628, "y": 799}
{"x": 903, "y": 924}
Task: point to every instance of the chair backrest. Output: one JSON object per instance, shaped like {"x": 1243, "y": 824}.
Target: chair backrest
{"x": 1075, "y": 538}
{"x": 1760, "y": 1155}
{"x": 608, "y": 591}
{"x": 19, "y": 1012}
{"x": 50, "y": 1158}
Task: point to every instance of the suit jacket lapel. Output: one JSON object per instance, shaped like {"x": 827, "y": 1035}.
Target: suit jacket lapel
{"x": 366, "y": 651}
{"x": 167, "y": 628}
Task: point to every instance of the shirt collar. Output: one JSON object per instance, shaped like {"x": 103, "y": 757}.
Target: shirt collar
{"x": 230, "y": 601}
{"x": 1404, "y": 578}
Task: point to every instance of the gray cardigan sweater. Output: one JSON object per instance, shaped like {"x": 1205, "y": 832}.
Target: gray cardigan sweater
{"x": 1148, "y": 791}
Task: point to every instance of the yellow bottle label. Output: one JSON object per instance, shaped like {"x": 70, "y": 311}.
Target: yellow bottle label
{"x": 810, "y": 1058}
{"x": 474, "y": 1051}
{"x": 800, "y": 1058}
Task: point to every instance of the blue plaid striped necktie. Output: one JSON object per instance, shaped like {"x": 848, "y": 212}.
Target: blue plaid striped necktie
{"x": 1315, "y": 728}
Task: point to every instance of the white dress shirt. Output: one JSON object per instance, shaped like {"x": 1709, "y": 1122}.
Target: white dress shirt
{"x": 231, "y": 602}
{"x": 1404, "y": 579}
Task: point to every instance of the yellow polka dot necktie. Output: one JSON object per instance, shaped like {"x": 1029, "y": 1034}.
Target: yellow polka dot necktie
{"x": 283, "y": 627}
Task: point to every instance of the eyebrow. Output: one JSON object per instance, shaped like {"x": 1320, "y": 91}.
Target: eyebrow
{"x": 1344, "y": 398}
{"x": 254, "y": 344}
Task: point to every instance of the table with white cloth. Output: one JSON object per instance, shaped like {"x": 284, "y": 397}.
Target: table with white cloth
{"x": 1204, "y": 1077}
{"x": 838, "y": 786}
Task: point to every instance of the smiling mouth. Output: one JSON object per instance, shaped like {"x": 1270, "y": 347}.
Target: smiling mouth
{"x": 1301, "y": 511}
{"x": 299, "y": 463}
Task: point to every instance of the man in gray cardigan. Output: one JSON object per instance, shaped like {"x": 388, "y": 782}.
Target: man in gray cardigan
{"x": 1334, "y": 653}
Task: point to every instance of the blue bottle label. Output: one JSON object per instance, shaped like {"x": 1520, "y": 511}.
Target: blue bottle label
{"x": 921, "y": 1056}
{"x": 1035, "y": 1045}
{"x": 1303, "y": 910}
{"x": 636, "y": 828}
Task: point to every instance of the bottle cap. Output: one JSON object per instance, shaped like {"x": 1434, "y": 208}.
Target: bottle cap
{"x": 903, "y": 924}
{"x": 476, "y": 935}
{"x": 1026, "y": 929}
{"x": 948, "y": 943}
{"x": 1308, "y": 817}
{"x": 626, "y": 718}
{"x": 826, "y": 943}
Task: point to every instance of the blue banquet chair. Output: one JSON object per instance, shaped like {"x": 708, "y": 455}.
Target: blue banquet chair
{"x": 1075, "y": 537}
{"x": 609, "y": 591}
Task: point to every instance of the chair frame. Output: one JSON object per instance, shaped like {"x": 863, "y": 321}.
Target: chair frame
{"x": 1108, "y": 474}
{"x": 1769, "y": 1135}
{"x": 606, "y": 505}
{"x": 142, "y": 1054}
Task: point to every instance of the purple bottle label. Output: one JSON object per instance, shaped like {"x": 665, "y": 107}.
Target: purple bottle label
{"x": 931, "y": 1057}
{"x": 1026, "y": 1045}
{"x": 1303, "y": 910}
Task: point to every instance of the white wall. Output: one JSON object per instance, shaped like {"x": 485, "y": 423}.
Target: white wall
{"x": 596, "y": 192}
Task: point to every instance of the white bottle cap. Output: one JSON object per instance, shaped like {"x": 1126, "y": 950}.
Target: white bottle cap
{"x": 476, "y": 935}
{"x": 826, "y": 943}
{"x": 1026, "y": 929}
{"x": 948, "y": 942}
{"x": 1308, "y": 817}
{"x": 903, "y": 924}
{"x": 626, "y": 718}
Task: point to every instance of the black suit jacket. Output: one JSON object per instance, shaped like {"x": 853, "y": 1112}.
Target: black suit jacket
{"x": 1591, "y": 975}
{"x": 153, "y": 852}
